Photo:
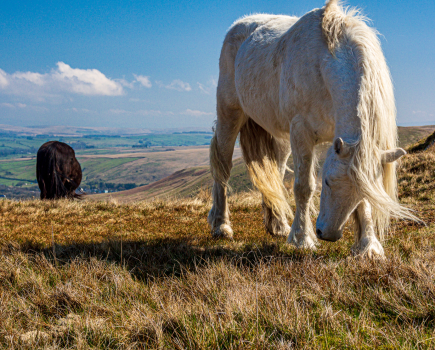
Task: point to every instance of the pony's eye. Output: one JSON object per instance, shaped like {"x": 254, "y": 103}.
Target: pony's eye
{"x": 327, "y": 184}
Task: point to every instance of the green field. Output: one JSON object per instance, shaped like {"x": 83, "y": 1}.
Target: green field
{"x": 13, "y": 173}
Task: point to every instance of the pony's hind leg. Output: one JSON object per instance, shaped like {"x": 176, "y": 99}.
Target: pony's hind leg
{"x": 302, "y": 143}
{"x": 222, "y": 144}
{"x": 366, "y": 242}
{"x": 266, "y": 159}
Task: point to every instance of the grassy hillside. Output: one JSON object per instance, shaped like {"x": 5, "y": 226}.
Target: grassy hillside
{"x": 183, "y": 183}
{"x": 189, "y": 181}
{"x": 417, "y": 176}
{"x": 82, "y": 275}
{"x": 411, "y": 134}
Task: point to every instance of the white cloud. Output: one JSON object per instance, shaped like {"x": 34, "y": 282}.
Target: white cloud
{"x": 23, "y": 105}
{"x": 137, "y": 100}
{"x": 86, "y": 81}
{"x": 176, "y": 84}
{"x": 203, "y": 88}
{"x": 143, "y": 80}
{"x": 3, "y": 79}
{"x": 118, "y": 111}
{"x": 31, "y": 77}
{"x": 154, "y": 112}
{"x": 196, "y": 113}
{"x": 125, "y": 83}
{"x": 79, "y": 110}
{"x": 61, "y": 79}
{"x": 151, "y": 112}
{"x": 39, "y": 108}
{"x": 141, "y": 112}
{"x": 209, "y": 87}
{"x": 11, "y": 105}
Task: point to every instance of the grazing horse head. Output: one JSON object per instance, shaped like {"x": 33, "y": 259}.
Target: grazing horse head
{"x": 340, "y": 195}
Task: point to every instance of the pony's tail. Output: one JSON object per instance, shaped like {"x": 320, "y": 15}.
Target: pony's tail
{"x": 58, "y": 188}
{"x": 60, "y": 191}
{"x": 259, "y": 154}
{"x": 390, "y": 180}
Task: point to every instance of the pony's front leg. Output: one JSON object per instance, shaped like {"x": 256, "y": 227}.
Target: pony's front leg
{"x": 221, "y": 153}
{"x": 302, "y": 141}
{"x": 366, "y": 242}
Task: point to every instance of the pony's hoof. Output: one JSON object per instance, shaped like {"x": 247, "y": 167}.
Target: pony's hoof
{"x": 371, "y": 249}
{"x": 223, "y": 231}
{"x": 307, "y": 243}
{"x": 304, "y": 242}
{"x": 275, "y": 225}
{"x": 280, "y": 230}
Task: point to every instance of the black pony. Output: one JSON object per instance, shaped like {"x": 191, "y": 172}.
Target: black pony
{"x": 58, "y": 171}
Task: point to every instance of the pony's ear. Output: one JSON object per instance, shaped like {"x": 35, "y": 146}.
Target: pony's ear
{"x": 341, "y": 147}
{"x": 392, "y": 155}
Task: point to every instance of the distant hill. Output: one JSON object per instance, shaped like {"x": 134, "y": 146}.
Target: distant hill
{"x": 63, "y": 130}
{"x": 188, "y": 182}
{"x": 77, "y": 131}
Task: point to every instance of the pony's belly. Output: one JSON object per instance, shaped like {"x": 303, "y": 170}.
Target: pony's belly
{"x": 267, "y": 119}
{"x": 259, "y": 97}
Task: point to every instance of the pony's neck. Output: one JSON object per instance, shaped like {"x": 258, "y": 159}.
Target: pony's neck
{"x": 343, "y": 80}
{"x": 347, "y": 122}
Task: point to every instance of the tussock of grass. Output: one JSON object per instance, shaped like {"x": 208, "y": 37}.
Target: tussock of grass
{"x": 148, "y": 275}
{"x": 416, "y": 176}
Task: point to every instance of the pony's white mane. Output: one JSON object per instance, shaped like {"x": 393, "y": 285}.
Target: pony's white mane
{"x": 376, "y": 110}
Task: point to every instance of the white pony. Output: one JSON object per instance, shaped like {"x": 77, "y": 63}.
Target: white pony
{"x": 289, "y": 83}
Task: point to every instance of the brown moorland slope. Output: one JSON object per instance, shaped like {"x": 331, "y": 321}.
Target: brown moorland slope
{"x": 183, "y": 183}
{"x": 80, "y": 275}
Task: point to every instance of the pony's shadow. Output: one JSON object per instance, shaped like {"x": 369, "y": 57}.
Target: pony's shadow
{"x": 166, "y": 256}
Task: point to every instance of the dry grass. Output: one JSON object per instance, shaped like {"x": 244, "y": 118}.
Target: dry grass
{"x": 148, "y": 275}
{"x": 416, "y": 180}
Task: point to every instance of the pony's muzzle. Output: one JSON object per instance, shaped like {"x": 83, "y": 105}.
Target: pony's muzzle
{"x": 328, "y": 237}
{"x": 319, "y": 233}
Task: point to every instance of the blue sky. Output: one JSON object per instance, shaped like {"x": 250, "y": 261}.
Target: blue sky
{"x": 154, "y": 64}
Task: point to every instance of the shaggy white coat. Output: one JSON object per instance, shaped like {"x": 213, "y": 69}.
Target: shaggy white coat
{"x": 291, "y": 83}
